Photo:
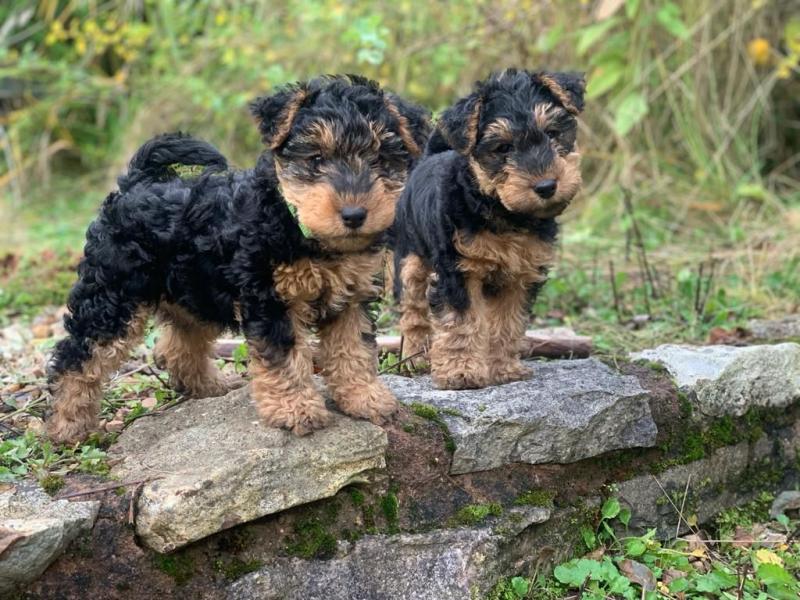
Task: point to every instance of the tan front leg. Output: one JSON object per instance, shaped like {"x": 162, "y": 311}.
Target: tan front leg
{"x": 507, "y": 318}
{"x": 282, "y": 384}
{"x": 459, "y": 352}
{"x": 349, "y": 359}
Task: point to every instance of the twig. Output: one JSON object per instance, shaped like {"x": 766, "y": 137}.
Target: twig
{"x": 683, "y": 504}
{"x": 626, "y": 195}
{"x": 707, "y": 291}
{"x": 107, "y": 488}
{"x": 158, "y": 376}
{"x": 680, "y": 514}
{"x": 25, "y": 408}
{"x": 614, "y": 289}
{"x": 397, "y": 364}
{"x": 132, "y": 505}
{"x": 698, "y": 288}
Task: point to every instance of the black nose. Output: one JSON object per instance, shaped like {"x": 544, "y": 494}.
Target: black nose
{"x": 546, "y": 188}
{"x": 354, "y": 216}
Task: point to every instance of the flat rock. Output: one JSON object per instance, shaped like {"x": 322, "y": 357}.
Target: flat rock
{"x": 35, "y": 530}
{"x": 787, "y": 328}
{"x": 729, "y": 380}
{"x": 702, "y": 488}
{"x": 219, "y": 466}
{"x": 569, "y": 410}
{"x": 439, "y": 565}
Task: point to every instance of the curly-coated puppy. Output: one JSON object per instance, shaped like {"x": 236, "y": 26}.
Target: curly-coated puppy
{"x": 475, "y": 228}
{"x": 277, "y": 250}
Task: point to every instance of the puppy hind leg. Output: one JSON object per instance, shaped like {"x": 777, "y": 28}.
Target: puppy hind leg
{"x": 81, "y": 365}
{"x": 507, "y": 318}
{"x": 415, "y": 319}
{"x": 349, "y": 357}
{"x": 184, "y": 348}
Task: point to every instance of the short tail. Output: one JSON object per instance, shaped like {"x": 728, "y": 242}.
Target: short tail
{"x": 153, "y": 160}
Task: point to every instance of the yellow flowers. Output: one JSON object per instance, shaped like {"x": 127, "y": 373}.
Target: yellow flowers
{"x": 760, "y": 51}
{"x": 767, "y": 557}
{"x": 92, "y": 37}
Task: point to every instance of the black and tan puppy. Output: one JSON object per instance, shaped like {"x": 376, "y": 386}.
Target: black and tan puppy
{"x": 289, "y": 246}
{"x": 475, "y": 227}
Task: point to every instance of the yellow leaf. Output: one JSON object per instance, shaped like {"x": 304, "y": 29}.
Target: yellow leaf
{"x": 698, "y": 552}
{"x": 691, "y": 520}
{"x": 767, "y": 557}
{"x": 759, "y": 51}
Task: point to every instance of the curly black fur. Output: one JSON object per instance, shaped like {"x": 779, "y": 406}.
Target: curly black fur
{"x": 212, "y": 241}
{"x": 442, "y": 195}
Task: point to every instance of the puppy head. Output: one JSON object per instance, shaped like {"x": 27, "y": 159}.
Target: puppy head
{"x": 518, "y": 131}
{"x": 343, "y": 148}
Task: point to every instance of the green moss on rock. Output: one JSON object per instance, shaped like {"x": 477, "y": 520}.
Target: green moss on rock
{"x": 536, "y": 498}
{"x": 472, "y": 514}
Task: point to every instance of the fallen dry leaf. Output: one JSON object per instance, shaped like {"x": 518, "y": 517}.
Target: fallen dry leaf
{"x": 743, "y": 537}
{"x": 670, "y": 575}
{"x": 638, "y": 573}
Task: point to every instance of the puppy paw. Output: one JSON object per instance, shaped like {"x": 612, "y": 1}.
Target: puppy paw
{"x": 507, "y": 372}
{"x": 301, "y": 416}
{"x": 459, "y": 379}
{"x": 212, "y": 385}
{"x": 373, "y": 402}
{"x": 69, "y": 431}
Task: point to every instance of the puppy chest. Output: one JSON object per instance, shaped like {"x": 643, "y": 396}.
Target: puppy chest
{"x": 504, "y": 256}
{"x": 329, "y": 283}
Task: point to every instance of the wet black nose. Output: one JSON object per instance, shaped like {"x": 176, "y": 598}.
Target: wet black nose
{"x": 546, "y": 188}
{"x": 354, "y": 216}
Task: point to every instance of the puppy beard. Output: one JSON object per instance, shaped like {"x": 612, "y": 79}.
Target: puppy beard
{"x": 318, "y": 207}
{"x": 514, "y": 189}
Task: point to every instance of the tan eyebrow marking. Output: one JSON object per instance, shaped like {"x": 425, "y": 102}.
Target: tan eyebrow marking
{"x": 501, "y": 128}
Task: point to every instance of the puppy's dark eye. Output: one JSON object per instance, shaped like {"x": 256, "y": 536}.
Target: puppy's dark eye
{"x": 552, "y": 133}
{"x": 503, "y": 148}
{"x": 315, "y": 160}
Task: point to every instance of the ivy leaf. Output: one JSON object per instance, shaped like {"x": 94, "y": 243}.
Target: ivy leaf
{"x": 631, "y": 110}
{"x": 771, "y": 574}
{"x": 589, "y": 538}
{"x": 576, "y": 571}
{"x": 610, "y": 509}
{"x": 635, "y": 547}
{"x": 669, "y": 15}
{"x": 625, "y": 516}
{"x": 678, "y": 585}
{"x": 520, "y": 586}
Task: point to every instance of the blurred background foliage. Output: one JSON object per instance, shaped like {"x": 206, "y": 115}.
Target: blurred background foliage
{"x": 691, "y": 135}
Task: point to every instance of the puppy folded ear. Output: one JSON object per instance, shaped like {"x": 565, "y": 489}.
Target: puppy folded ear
{"x": 276, "y": 114}
{"x": 459, "y": 124}
{"x": 568, "y": 88}
{"x": 413, "y": 122}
